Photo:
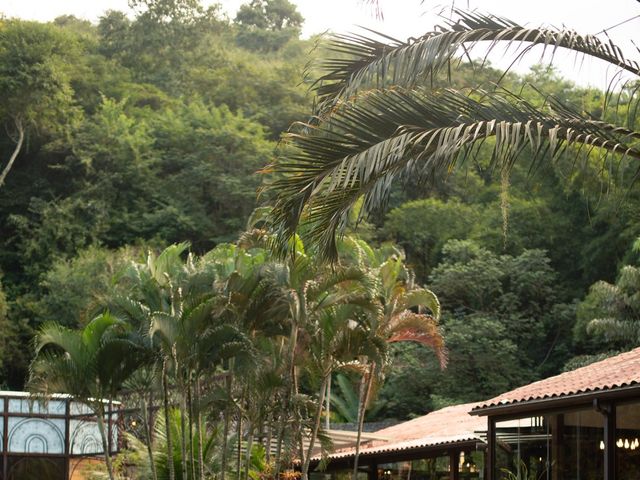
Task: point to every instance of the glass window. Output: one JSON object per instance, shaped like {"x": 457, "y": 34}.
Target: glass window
{"x": 36, "y": 435}
{"x": 436, "y": 468}
{"x": 563, "y": 446}
{"x": 580, "y": 455}
{"x": 471, "y": 465}
{"x": 628, "y": 441}
{"x": 395, "y": 471}
{"x": 523, "y": 449}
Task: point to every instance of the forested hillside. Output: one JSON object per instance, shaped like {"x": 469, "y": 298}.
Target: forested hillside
{"x": 154, "y": 127}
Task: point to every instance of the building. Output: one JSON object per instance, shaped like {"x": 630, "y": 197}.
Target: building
{"x": 582, "y": 425}
{"x": 445, "y": 444}
{"x": 52, "y": 439}
{"x": 579, "y": 425}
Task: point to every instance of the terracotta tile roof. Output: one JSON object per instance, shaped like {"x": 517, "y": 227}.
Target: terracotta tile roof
{"x": 447, "y": 426}
{"x": 620, "y": 371}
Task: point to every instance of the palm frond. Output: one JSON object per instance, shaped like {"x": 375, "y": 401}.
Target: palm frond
{"x": 420, "y": 328}
{"x": 397, "y": 134}
{"x": 423, "y": 298}
{"x": 615, "y": 329}
{"x": 378, "y": 61}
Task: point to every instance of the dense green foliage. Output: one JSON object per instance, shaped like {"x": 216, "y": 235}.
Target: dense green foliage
{"x": 149, "y": 130}
{"x": 136, "y": 132}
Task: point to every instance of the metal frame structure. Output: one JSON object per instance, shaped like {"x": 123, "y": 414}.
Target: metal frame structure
{"x": 42, "y": 412}
{"x": 603, "y": 402}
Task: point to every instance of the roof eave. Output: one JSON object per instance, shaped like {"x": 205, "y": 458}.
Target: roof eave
{"x": 554, "y": 403}
{"x": 365, "y": 458}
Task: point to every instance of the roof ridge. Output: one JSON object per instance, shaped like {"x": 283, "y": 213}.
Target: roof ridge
{"x": 575, "y": 381}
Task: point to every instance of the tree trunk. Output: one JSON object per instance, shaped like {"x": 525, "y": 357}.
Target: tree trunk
{"x": 105, "y": 444}
{"x": 147, "y": 431}
{"x": 167, "y": 423}
{"x": 239, "y": 447}
{"x": 192, "y": 453}
{"x": 286, "y": 401}
{"x": 183, "y": 439}
{"x": 249, "y": 447}
{"x": 365, "y": 386}
{"x": 16, "y": 150}
{"x": 269, "y": 437}
{"x": 227, "y": 421}
{"x": 199, "y": 431}
{"x": 327, "y": 421}
{"x": 316, "y": 428}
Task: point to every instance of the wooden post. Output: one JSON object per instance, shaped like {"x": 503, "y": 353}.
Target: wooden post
{"x": 67, "y": 437}
{"x": 557, "y": 447}
{"x": 454, "y": 465}
{"x": 372, "y": 474}
{"x": 490, "y": 464}
{"x": 609, "y": 442}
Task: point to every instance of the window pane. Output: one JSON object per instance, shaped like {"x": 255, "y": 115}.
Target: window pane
{"x": 522, "y": 449}
{"x": 628, "y": 441}
{"x": 582, "y": 452}
{"x": 471, "y": 465}
{"x": 436, "y": 468}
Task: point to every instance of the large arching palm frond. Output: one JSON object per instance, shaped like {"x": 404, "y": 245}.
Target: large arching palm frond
{"x": 387, "y": 135}
{"x": 377, "y": 61}
{"x": 408, "y": 326}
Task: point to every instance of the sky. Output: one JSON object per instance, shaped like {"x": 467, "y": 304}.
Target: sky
{"x": 409, "y": 18}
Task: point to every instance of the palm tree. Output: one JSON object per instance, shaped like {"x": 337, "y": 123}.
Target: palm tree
{"x": 91, "y": 365}
{"x": 379, "y": 120}
{"x": 306, "y": 291}
{"x": 332, "y": 338}
{"x": 407, "y": 312}
{"x": 176, "y": 302}
{"x": 319, "y": 305}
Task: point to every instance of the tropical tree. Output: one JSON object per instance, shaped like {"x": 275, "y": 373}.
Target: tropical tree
{"x": 334, "y": 337}
{"x": 407, "y": 312}
{"x": 323, "y": 311}
{"x": 35, "y": 82}
{"x": 610, "y": 312}
{"x": 175, "y": 303}
{"x": 310, "y": 293}
{"x": 378, "y": 120}
{"x": 91, "y": 365}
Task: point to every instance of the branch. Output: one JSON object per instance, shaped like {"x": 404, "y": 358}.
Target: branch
{"x": 16, "y": 150}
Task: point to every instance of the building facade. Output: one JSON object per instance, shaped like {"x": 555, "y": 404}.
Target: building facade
{"x": 52, "y": 439}
{"x": 579, "y": 425}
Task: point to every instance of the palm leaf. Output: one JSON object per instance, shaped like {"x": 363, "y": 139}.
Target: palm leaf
{"x": 377, "y": 61}
{"x": 420, "y": 328}
{"x": 397, "y": 134}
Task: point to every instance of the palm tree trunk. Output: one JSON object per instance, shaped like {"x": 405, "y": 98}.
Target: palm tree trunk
{"x": 316, "y": 428}
{"x": 227, "y": 422}
{"x": 365, "y": 386}
{"x": 286, "y": 401}
{"x": 105, "y": 444}
{"x": 249, "y": 447}
{"x": 167, "y": 423}
{"x": 327, "y": 422}
{"x": 183, "y": 439}
{"x": 192, "y": 454}
{"x": 147, "y": 431}
{"x": 269, "y": 438}
{"x": 199, "y": 431}
{"x": 239, "y": 447}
